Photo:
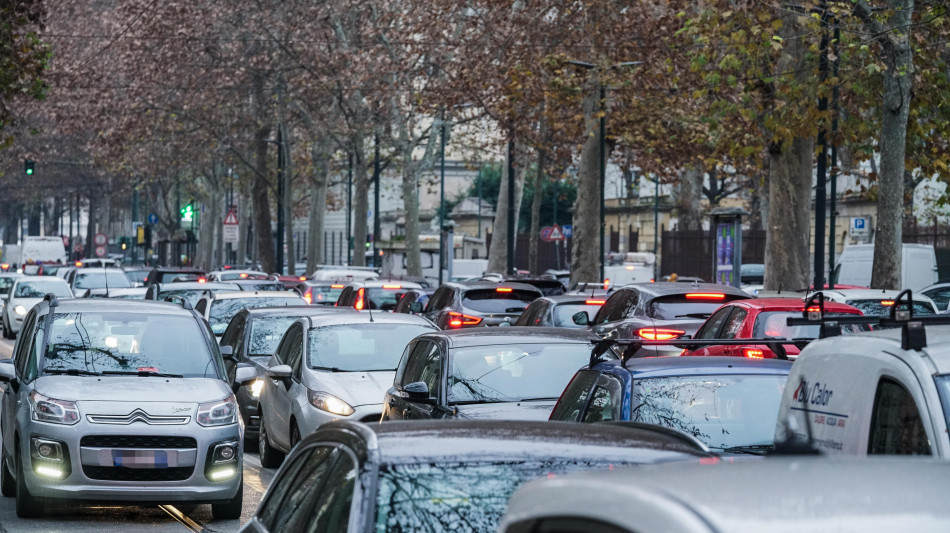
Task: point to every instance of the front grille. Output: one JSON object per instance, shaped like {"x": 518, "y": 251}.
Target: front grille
{"x": 137, "y": 441}
{"x": 119, "y": 473}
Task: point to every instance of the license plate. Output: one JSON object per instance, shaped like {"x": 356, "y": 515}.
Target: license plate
{"x": 140, "y": 458}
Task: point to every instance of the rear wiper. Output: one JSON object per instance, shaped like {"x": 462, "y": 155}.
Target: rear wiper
{"x": 694, "y": 315}
{"x": 752, "y": 449}
{"x": 70, "y": 372}
{"x": 140, "y": 373}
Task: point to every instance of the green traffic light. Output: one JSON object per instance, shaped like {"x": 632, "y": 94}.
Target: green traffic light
{"x": 29, "y": 172}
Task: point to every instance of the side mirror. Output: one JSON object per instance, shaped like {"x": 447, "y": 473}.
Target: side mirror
{"x": 416, "y": 307}
{"x": 279, "y": 372}
{"x": 418, "y": 392}
{"x": 581, "y": 318}
{"x": 227, "y": 351}
{"x": 245, "y": 374}
{"x": 8, "y": 371}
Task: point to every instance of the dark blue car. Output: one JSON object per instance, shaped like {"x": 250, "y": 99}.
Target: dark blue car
{"x": 729, "y": 403}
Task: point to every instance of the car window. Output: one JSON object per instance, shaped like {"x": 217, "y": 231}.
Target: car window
{"x": 266, "y": 333}
{"x": 234, "y": 334}
{"x": 100, "y": 280}
{"x": 287, "y": 492}
{"x": 200, "y": 307}
{"x": 360, "y": 347}
{"x": 222, "y": 310}
{"x": 896, "y": 426}
{"x": 345, "y": 299}
{"x": 498, "y": 300}
{"x": 775, "y": 324}
{"x": 564, "y": 313}
{"x": 606, "y": 401}
{"x": 693, "y": 305}
{"x": 711, "y": 327}
{"x": 38, "y": 289}
{"x": 425, "y": 364}
{"x": 618, "y": 306}
{"x": 734, "y": 323}
{"x": 5, "y": 283}
{"x": 574, "y": 398}
{"x": 883, "y": 307}
{"x": 438, "y": 300}
{"x": 531, "y": 315}
{"x": 940, "y": 296}
{"x": 294, "y": 350}
{"x": 22, "y": 355}
{"x": 330, "y": 509}
{"x": 404, "y": 361}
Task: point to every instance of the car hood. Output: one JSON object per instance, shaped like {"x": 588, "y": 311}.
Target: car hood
{"x": 28, "y": 303}
{"x": 532, "y": 410}
{"x": 355, "y": 388}
{"x": 132, "y": 390}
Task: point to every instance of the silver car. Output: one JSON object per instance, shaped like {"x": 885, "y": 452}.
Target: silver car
{"x": 116, "y": 400}
{"x": 26, "y": 292}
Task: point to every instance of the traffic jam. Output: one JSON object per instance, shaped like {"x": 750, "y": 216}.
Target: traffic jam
{"x": 347, "y": 401}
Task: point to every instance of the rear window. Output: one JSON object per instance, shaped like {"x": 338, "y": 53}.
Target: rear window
{"x": 693, "y": 305}
{"x": 136, "y": 276}
{"x": 222, "y": 311}
{"x": 775, "y": 324}
{"x": 877, "y": 308}
{"x": 493, "y": 301}
{"x": 325, "y": 294}
{"x": 383, "y": 298}
{"x": 170, "y": 277}
{"x": 101, "y": 280}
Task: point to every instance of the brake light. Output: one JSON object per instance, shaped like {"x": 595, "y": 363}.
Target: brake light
{"x": 606, "y": 283}
{"x": 457, "y": 320}
{"x": 336, "y": 286}
{"x": 243, "y": 275}
{"x": 359, "y": 300}
{"x": 4, "y": 266}
{"x": 228, "y": 267}
{"x": 202, "y": 280}
{"x": 302, "y": 278}
{"x": 596, "y": 302}
{"x": 392, "y": 286}
{"x": 503, "y": 289}
{"x": 659, "y": 334}
{"x": 887, "y": 303}
{"x": 78, "y": 263}
{"x": 813, "y": 309}
{"x": 753, "y": 353}
{"x": 308, "y": 297}
{"x": 705, "y": 296}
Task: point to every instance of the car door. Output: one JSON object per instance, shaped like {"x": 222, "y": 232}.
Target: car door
{"x": 431, "y": 371}
{"x": 711, "y": 330}
{"x": 730, "y": 329}
{"x": 25, "y": 355}
{"x": 286, "y": 391}
{"x": 397, "y": 404}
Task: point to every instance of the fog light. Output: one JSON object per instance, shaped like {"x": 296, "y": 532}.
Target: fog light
{"x": 224, "y": 452}
{"x": 48, "y": 471}
{"x": 222, "y": 474}
{"x": 227, "y": 453}
{"x": 47, "y": 450}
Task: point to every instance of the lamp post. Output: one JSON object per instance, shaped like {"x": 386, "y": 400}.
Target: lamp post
{"x": 603, "y": 145}
{"x": 443, "y": 261}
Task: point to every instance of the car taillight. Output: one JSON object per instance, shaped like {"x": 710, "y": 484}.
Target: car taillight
{"x": 457, "y": 320}
{"x": 202, "y": 280}
{"x": 392, "y": 286}
{"x": 753, "y": 353}
{"x": 705, "y": 296}
{"x": 503, "y": 289}
{"x": 308, "y": 297}
{"x": 336, "y": 286}
{"x": 595, "y": 302}
{"x": 359, "y": 300}
{"x": 659, "y": 334}
{"x": 243, "y": 275}
{"x": 302, "y": 278}
{"x": 887, "y": 303}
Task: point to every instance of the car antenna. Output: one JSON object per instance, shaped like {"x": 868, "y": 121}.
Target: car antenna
{"x": 105, "y": 277}
{"x": 369, "y": 309}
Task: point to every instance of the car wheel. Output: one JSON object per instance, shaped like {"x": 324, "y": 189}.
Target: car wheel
{"x": 7, "y": 334}
{"x": 270, "y": 457}
{"x": 294, "y": 436}
{"x": 26, "y": 505}
{"x": 7, "y": 483}
{"x": 231, "y": 509}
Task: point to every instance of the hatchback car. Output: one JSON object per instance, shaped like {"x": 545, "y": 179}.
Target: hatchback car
{"x": 119, "y": 401}
{"x": 329, "y": 367}
{"x": 558, "y": 311}
{"x": 374, "y": 294}
{"x": 479, "y": 303}
{"x": 26, "y": 292}
{"x": 728, "y": 403}
{"x": 235, "y": 274}
{"x": 503, "y": 373}
{"x": 765, "y": 317}
{"x": 171, "y": 274}
{"x": 442, "y": 476}
{"x": 659, "y": 311}
{"x": 413, "y": 301}
{"x": 218, "y": 308}
{"x": 873, "y": 302}
{"x": 97, "y": 278}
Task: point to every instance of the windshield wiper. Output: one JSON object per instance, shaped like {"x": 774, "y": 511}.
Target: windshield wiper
{"x": 331, "y": 369}
{"x": 537, "y": 399}
{"x": 140, "y": 373}
{"x": 70, "y": 372}
{"x": 751, "y": 449}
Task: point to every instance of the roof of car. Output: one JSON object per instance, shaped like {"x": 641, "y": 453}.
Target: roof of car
{"x": 574, "y": 297}
{"x": 460, "y": 338}
{"x": 887, "y": 340}
{"x": 228, "y": 295}
{"x": 296, "y": 310}
{"x": 790, "y": 304}
{"x": 865, "y": 294}
{"x": 177, "y": 269}
{"x": 779, "y": 495}
{"x": 471, "y": 285}
{"x": 481, "y": 440}
{"x": 385, "y": 283}
{"x": 92, "y": 305}
{"x": 23, "y": 278}
{"x": 192, "y": 285}
{"x": 644, "y": 367}
{"x": 93, "y": 270}
{"x": 665, "y": 288}
{"x": 364, "y": 317}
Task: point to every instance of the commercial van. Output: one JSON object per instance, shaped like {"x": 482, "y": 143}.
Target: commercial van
{"x": 634, "y": 267}
{"x": 867, "y": 394}
{"x": 43, "y": 250}
{"x": 918, "y": 266}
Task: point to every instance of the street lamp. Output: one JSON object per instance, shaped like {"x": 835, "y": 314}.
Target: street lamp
{"x": 443, "y": 254}
{"x": 603, "y": 143}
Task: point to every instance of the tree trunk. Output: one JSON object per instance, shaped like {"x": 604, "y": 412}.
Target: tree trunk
{"x": 498, "y": 253}
{"x": 291, "y": 256}
{"x": 585, "y": 252}
{"x": 318, "y": 203}
{"x": 535, "y": 233}
{"x": 261, "y": 199}
{"x": 245, "y": 215}
{"x": 361, "y": 183}
{"x": 689, "y": 199}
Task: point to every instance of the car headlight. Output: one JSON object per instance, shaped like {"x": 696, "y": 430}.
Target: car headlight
{"x": 46, "y": 409}
{"x": 329, "y": 403}
{"x": 256, "y": 388}
{"x": 20, "y": 310}
{"x": 219, "y": 413}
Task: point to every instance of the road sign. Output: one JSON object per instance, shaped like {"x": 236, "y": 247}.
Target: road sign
{"x": 100, "y": 240}
{"x": 229, "y": 228}
{"x": 546, "y": 233}
{"x": 100, "y": 251}
{"x": 153, "y": 219}
{"x": 78, "y": 248}
{"x": 568, "y": 231}
{"x": 556, "y": 233}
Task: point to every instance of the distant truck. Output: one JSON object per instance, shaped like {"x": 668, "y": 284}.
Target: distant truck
{"x": 42, "y": 250}
{"x": 918, "y": 266}
{"x": 635, "y": 267}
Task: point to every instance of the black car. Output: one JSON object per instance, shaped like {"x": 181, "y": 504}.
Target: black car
{"x": 413, "y": 301}
{"x": 658, "y": 311}
{"x": 558, "y": 311}
{"x": 504, "y": 373}
{"x": 548, "y": 286}
{"x": 442, "y": 476}
{"x": 253, "y": 335}
{"x": 479, "y": 303}
{"x": 188, "y": 290}
{"x": 170, "y": 274}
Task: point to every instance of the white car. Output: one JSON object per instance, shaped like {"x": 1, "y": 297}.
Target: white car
{"x": 235, "y": 275}
{"x": 874, "y": 302}
{"x": 219, "y": 307}
{"x": 97, "y": 278}
{"x": 777, "y": 495}
{"x": 26, "y": 292}
{"x": 329, "y": 367}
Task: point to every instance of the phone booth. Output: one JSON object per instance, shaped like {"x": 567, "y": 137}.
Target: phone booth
{"x": 727, "y": 244}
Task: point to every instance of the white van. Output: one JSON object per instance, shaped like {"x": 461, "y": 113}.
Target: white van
{"x": 871, "y": 393}
{"x": 43, "y": 250}
{"x": 918, "y": 266}
{"x": 636, "y": 267}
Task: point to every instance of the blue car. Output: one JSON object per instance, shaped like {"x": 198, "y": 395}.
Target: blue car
{"x": 728, "y": 403}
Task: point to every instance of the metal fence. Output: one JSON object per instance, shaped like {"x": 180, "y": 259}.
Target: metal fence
{"x": 690, "y": 252}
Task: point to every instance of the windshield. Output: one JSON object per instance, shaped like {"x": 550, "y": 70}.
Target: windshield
{"x": 509, "y": 373}
{"x": 493, "y": 301}
{"x": 38, "y": 289}
{"x": 191, "y": 295}
{"x": 266, "y": 333}
{"x": 686, "y": 306}
{"x": 775, "y": 324}
{"x": 361, "y": 347}
{"x": 563, "y": 314}
{"x": 136, "y": 276}
{"x": 383, "y": 298}
{"x": 128, "y": 342}
{"x": 876, "y": 308}
{"x": 460, "y": 497}
{"x": 325, "y": 294}
{"x": 97, "y": 280}
{"x": 5, "y": 283}
{"x": 222, "y": 311}
{"x": 722, "y": 411}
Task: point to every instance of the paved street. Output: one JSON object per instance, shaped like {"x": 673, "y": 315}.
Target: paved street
{"x": 105, "y": 518}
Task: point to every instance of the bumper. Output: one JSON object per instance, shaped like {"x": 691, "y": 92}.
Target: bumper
{"x": 93, "y": 471}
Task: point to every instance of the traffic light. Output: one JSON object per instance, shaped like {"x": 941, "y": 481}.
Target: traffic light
{"x": 28, "y": 166}
{"x": 187, "y": 213}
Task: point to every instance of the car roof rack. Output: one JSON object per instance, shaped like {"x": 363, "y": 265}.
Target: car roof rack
{"x": 777, "y": 345}
{"x": 52, "y": 299}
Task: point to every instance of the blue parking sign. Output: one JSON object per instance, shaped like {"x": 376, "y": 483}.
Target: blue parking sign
{"x": 567, "y": 231}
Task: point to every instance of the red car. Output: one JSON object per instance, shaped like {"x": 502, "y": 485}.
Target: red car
{"x": 763, "y": 317}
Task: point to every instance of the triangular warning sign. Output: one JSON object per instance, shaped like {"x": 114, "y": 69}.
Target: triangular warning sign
{"x": 556, "y": 234}
{"x": 231, "y": 218}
